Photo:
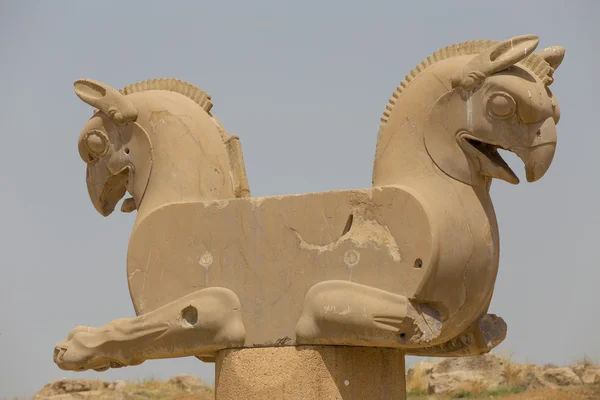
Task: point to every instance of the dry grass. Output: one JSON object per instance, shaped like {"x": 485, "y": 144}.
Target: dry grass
{"x": 150, "y": 383}
{"x": 511, "y": 373}
{"x": 586, "y": 362}
{"x": 153, "y": 388}
{"x": 571, "y": 393}
{"x": 469, "y": 389}
{"x": 586, "y": 392}
{"x": 417, "y": 380}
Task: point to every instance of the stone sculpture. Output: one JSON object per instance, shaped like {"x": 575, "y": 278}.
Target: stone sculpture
{"x": 409, "y": 264}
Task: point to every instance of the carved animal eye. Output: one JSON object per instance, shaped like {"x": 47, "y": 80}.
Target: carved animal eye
{"x": 501, "y": 105}
{"x": 97, "y": 142}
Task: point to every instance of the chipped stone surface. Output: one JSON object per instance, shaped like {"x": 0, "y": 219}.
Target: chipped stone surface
{"x": 273, "y": 250}
{"x": 455, "y": 373}
{"x": 557, "y": 377}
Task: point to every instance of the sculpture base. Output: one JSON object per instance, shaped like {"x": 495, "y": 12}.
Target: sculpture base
{"x": 310, "y": 373}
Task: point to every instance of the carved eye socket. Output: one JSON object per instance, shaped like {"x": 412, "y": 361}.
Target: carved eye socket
{"x": 501, "y": 105}
{"x": 97, "y": 142}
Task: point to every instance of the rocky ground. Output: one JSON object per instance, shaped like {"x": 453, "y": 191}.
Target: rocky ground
{"x": 484, "y": 377}
{"x": 490, "y": 376}
{"x": 182, "y": 387}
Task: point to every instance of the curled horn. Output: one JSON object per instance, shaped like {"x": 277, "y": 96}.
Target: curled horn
{"x": 496, "y": 58}
{"x": 106, "y": 99}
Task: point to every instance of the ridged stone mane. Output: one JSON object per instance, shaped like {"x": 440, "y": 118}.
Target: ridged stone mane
{"x": 184, "y": 88}
{"x": 533, "y": 63}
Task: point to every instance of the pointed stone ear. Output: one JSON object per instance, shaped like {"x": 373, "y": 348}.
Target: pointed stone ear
{"x": 553, "y": 55}
{"x": 496, "y": 58}
{"x": 106, "y": 99}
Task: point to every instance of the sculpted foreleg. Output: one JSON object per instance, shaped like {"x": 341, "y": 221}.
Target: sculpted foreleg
{"x": 199, "y": 324}
{"x": 347, "y": 313}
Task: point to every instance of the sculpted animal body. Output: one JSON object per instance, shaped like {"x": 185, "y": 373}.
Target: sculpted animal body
{"x": 410, "y": 263}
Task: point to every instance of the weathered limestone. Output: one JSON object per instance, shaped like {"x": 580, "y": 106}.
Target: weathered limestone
{"x": 559, "y": 376}
{"x": 310, "y": 372}
{"x": 489, "y": 372}
{"x": 409, "y": 264}
{"x": 451, "y": 374}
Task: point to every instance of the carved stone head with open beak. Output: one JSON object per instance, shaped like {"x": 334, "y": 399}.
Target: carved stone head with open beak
{"x": 500, "y": 100}
{"x": 112, "y": 144}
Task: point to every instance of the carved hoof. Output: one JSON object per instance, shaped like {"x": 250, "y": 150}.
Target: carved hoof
{"x": 199, "y": 324}
{"x": 80, "y": 352}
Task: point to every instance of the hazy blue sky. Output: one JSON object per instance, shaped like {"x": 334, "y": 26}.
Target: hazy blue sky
{"x": 303, "y": 84}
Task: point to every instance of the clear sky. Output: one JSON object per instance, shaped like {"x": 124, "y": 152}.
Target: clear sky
{"x": 303, "y": 83}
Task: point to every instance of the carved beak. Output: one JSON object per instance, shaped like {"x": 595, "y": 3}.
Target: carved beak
{"x": 104, "y": 188}
{"x": 488, "y": 161}
{"x": 538, "y": 156}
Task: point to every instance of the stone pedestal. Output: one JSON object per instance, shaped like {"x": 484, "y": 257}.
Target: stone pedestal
{"x": 310, "y": 373}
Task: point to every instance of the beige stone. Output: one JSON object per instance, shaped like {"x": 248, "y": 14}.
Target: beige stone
{"x": 67, "y": 387}
{"x": 90, "y": 395}
{"x": 556, "y": 377}
{"x": 118, "y": 385}
{"x": 409, "y": 264}
{"x": 64, "y": 385}
{"x": 188, "y": 383}
{"x": 489, "y": 372}
{"x": 523, "y": 376}
{"x": 591, "y": 375}
{"x": 453, "y": 374}
{"x": 73, "y": 389}
{"x": 307, "y": 372}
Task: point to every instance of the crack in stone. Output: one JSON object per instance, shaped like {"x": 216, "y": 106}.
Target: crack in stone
{"x": 361, "y": 234}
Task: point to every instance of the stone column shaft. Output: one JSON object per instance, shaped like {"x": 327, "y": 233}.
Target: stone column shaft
{"x": 310, "y": 373}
